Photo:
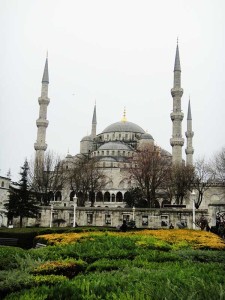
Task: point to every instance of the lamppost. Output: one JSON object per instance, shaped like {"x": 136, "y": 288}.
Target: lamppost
{"x": 193, "y": 207}
{"x": 51, "y": 213}
{"x": 133, "y": 209}
{"x": 74, "y": 210}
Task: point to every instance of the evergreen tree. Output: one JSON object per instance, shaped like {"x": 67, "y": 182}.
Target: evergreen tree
{"x": 21, "y": 201}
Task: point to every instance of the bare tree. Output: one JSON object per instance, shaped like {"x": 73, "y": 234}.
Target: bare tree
{"x": 217, "y": 166}
{"x": 202, "y": 180}
{"x": 86, "y": 178}
{"x": 150, "y": 170}
{"x": 48, "y": 176}
{"x": 181, "y": 181}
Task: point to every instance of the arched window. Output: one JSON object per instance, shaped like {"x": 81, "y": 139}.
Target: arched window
{"x": 113, "y": 152}
{"x": 51, "y": 196}
{"x": 118, "y": 152}
{"x": 113, "y": 197}
{"x": 58, "y": 196}
{"x": 2, "y": 184}
{"x": 126, "y": 196}
{"x": 107, "y": 152}
{"x": 99, "y": 197}
{"x": 72, "y": 194}
{"x": 107, "y": 197}
{"x": 119, "y": 197}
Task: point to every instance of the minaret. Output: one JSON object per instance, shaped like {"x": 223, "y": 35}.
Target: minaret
{"x": 177, "y": 116}
{"x": 94, "y": 123}
{"x": 42, "y": 123}
{"x": 189, "y": 134}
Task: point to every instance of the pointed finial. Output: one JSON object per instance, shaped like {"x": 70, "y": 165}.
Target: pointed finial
{"x": 177, "y": 59}
{"x": 45, "y": 78}
{"x": 94, "y": 118}
{"x": 177, "y": 40}
{"x": 124, "y": 118}
{"x": 47, "y": 54}
{"x": 68, "y": 151}
{"x": 189, "y": 117}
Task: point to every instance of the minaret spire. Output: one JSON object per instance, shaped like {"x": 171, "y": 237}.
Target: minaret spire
{"x": 94, "y": 123}
{"x": 42, "y": 123}
{"x": 176, "y": 116}
{"x": 189, "y": 134}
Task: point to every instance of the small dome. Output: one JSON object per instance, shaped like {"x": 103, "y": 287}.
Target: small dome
{"x": 146, "y": 136}
{"x": 114, "y": 146}
{"x": 69, "y": 156}
{"x": 87, "y": 138}
{"x": 123, "y": 126}
{"x": 165, "y": 153}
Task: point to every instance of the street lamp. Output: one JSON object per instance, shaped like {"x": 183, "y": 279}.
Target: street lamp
{"x": 51, "y": 213}
{"x": 133, "y": 212}
{"x": 193, "y": 207}
{"x": 74, "y": 210}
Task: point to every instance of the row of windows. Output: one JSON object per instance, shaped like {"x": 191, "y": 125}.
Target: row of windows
{"x": 119, "y": 136}
{"x": 161, "y": 220}
{"x": 113, "y": 153}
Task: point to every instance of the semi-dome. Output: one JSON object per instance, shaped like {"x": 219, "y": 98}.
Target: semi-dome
{"x": 146, "y": 136}
{"x": 109, "y": 159}
{"x": 123, "y": 127}
{"x": 114, "y": 146}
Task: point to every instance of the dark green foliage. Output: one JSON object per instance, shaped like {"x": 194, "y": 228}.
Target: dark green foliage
{"x": 9, "y": 257}
{"x": 117, "y": 267}
{"x": 14, "y": 280}
{"x": 68, "y": 268}
{"x": 21, "y": 201}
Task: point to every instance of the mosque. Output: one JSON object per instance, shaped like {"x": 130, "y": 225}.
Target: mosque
{"x": 113, "y": 148}
{"x": 116, "y": 144}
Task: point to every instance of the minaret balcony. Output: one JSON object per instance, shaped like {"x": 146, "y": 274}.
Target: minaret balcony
{"x": 177, "y": 141}
{"x": 189, "y": 134}
{"x": 43, "y": 100}
{"x": 189, "y": 150}
{"x": 178, "y": 116}
{"x": 177, "y": 92}
{"x": 38, "y": 146}
{"x": 42, "y": 123}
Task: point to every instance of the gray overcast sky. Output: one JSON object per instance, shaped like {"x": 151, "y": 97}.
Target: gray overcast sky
{"x": 120, "y": 53}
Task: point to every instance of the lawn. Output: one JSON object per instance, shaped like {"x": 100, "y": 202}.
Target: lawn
{"x": 146, "y": 264}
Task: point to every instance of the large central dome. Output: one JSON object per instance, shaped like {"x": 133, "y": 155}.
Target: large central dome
{"x": 123, "y": 127}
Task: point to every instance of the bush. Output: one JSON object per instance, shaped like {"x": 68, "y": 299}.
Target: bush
{"x": 13, "y": 281}
{"x": 68, "y": 268}
{"x": 9, "y": 257}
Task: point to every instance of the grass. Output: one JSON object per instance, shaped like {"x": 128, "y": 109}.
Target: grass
{"x": 168, "y": 264}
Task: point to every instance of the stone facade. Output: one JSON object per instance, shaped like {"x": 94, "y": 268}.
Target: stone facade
{"x": 4, "y": 192}
{"x": 114, "y": 217}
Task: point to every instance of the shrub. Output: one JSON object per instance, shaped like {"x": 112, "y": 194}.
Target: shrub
{"x": 68, "y": 268}
{"x": 49, "y": 279}
{"x": 9, "y": 257}
{"x": 13, "y": 281}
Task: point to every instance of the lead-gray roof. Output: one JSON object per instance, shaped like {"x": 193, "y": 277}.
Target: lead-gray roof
{"x": 114, "y": 146}
{"x": 123, "y": 127}
{"x": 146, "y": 136}
{"x": 87, "y": 138}
{"x": 45, "y": 77}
